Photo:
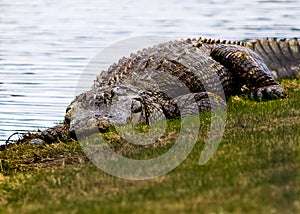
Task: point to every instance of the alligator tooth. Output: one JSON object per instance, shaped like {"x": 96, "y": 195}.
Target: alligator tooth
{"x": 283, "y": 40}
{"x": 218, "y": 41}
{"x": 205, "y": 40}
{"x": 223, "y": 42}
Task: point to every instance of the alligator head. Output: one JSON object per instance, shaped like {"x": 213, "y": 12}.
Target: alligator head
{"x": 98, "y": 111}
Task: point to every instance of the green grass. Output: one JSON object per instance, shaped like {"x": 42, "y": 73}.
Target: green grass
{"x": 255, "y": 170}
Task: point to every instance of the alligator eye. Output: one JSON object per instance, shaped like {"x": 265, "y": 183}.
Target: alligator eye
{"x": 136, "y": 106}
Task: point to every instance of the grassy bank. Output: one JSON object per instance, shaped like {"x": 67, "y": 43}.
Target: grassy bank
{"x": 255, "y": 170}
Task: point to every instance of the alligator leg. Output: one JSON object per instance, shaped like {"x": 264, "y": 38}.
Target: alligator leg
{"x": 249, "y": 70}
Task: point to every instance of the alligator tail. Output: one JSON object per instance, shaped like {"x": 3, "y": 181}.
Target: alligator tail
{"x": 281, "y": 56}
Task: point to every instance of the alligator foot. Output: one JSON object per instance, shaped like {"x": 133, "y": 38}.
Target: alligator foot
{"x": 269, "y": 93}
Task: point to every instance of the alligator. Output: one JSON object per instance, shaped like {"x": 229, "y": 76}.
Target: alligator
{"x": 151, "y": 84}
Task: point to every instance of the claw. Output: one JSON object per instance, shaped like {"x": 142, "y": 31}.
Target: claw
{"x": 270, "y": 93}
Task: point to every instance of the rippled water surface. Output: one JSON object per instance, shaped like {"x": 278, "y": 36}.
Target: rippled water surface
{"x": 46, "y": 44}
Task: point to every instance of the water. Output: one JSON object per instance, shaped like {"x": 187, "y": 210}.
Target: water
{"x": 46, "y": 44}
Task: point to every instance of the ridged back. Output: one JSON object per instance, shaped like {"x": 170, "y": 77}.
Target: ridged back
{"x": 281, "y": 56}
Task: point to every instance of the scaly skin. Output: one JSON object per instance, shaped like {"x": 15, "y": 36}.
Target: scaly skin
{"x": 153, "y": 83}
{"x": 282, "y": 57}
